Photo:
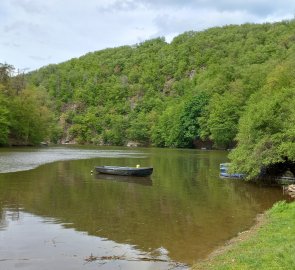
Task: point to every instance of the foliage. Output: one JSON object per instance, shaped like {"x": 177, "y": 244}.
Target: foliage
{"x": 266, "y": 130}
{"x": 222, "y": 114}
{"x": 139, "y": 127}
{"x": 25, "y": 117}
{"x": 212, "y": 85}
{"x": 166, "y": 130}
{"x": 29, "y": 118}
{"x": 178, "y": 126}
{"x": 152, "y": 86}
{"x": 4, "y": 119}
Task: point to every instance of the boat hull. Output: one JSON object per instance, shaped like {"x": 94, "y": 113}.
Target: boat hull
{"x": 124, "y": 171}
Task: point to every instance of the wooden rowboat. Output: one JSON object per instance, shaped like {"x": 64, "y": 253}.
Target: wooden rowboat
{"x": 126, "y": 171}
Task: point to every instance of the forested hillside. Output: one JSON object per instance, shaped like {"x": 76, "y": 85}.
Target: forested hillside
{"x": 226, "y": 85}
{"x": 169, "y": 95}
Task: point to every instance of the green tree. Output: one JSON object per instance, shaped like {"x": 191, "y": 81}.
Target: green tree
{"x": 189, "y": 127}
{"x": 6, "y": 71}
{"x": 140, "y": 126}
{"x": 30, "y": 118}
{"x": 155, "y": 80}
{"x": 165, "y": 133}
{"x": 220, "y": 119}
{"x": 4, "y": 119}
{"x": 86, "y": 127}
{"x": 266, "y": 130}
{"x": 115, "y": 133}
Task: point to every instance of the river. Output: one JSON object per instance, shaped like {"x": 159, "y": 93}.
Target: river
{"x": 56, "y": 214}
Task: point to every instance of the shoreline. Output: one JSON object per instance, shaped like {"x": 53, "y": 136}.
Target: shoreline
{"x": 259, "y": 221}
{"x": 268, "y": 244}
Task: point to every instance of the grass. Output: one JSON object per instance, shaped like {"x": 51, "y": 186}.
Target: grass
{"x": 271, "y": 247}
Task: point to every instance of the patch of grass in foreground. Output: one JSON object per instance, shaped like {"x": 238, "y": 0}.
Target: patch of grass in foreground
{"x": 272, "y": 247}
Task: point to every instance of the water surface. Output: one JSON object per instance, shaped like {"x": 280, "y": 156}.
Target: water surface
{"x": 55, "y": 214}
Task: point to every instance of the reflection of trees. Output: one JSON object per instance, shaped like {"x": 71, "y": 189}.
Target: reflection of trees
{"x": 188, "y": 209}
{"x": 5, "y": 216}
{"x": 3, "y": 222}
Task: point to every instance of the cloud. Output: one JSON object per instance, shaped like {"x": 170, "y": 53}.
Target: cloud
{"x": 23, "y": 26}
{"x": 40, "y": 58}
{"x": 30, "y": 6}
{"x": 64, "y": 29}
{"x": 256, "y": 7}
{"x": 119, "y": 5}
{"x": 11, "y": 44}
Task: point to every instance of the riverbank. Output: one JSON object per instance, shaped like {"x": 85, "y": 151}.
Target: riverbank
{"x": 270, "y": 244}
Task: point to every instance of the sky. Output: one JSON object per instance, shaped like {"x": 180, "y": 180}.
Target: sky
{"x": 34, "y": 33}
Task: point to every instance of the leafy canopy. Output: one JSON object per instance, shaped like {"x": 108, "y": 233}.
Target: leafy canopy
{"x": 267, "y": 128}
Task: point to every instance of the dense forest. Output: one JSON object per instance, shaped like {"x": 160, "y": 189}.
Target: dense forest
{"x": 26, "y": 116}
{"x": 222, "y": 87}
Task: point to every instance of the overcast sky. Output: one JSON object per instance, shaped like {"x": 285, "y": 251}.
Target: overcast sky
{"x": 35, "y": 33}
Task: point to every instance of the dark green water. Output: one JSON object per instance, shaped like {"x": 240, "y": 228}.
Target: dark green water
{"x": 55, "y": 215}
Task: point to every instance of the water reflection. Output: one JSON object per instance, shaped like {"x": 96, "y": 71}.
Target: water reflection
{"x": 40, "y": 243}
{"x": 183, "y": 211}
{"x": 145, "y": 181}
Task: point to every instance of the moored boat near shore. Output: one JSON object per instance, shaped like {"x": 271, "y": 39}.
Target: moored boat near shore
{"x": 224, "y": 173}
{"x": 125, "y": 171}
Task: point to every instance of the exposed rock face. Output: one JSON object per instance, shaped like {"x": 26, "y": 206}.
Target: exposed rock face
{"x": 133, "y": 144}
{"x": 291, "y": 190}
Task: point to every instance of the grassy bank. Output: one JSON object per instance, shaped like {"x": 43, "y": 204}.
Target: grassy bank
{"x": 271, "y": 247}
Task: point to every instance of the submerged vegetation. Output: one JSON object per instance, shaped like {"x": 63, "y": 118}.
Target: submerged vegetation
{"x": 226, "y": 86}
{"x": 272, "y": 247}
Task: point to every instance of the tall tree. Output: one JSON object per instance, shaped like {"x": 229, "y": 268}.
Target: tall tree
{"x": 4, "y": 119}
{"x": 266, "y": 135}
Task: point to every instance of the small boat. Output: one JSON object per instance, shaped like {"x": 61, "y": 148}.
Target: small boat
{"x": 125, "y": 171}
{"x": 224, "y": 167}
